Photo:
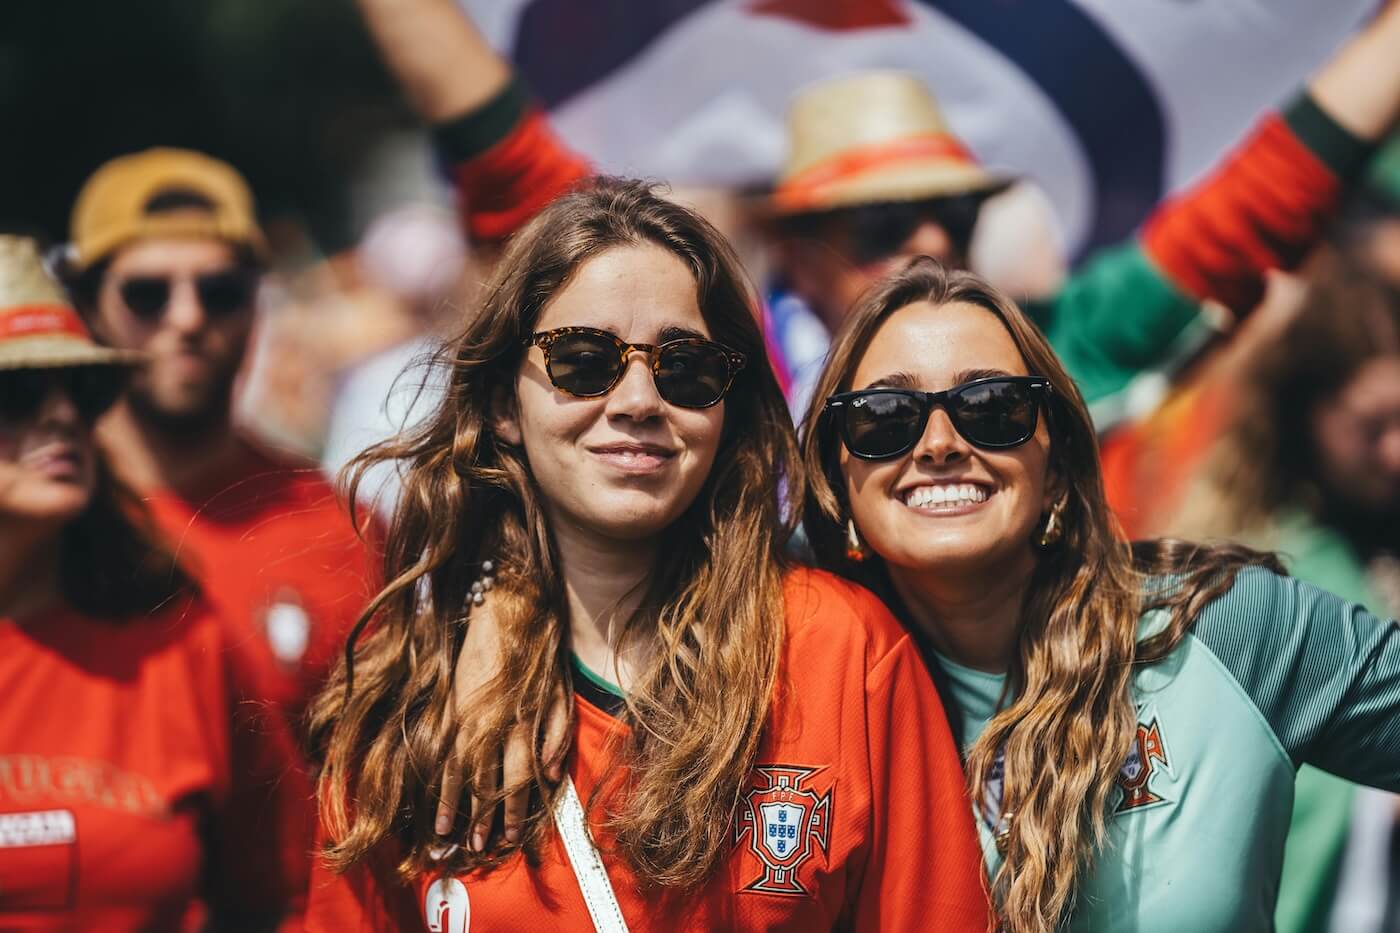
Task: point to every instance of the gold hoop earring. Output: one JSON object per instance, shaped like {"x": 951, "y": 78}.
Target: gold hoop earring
{"x": 1054, "y": 528}
{"x": 856, "y": 551}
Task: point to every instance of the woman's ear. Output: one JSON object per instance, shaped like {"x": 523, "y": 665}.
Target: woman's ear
{"x": 505, "y": 420}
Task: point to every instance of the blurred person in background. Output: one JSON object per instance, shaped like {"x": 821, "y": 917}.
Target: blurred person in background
{"x": 1310, "y": 468}
{"x": 413, "y": 259}
{"x": 874, "y": 176}
{"x": 138, "y": 787}
{"x": 165, "y": 258}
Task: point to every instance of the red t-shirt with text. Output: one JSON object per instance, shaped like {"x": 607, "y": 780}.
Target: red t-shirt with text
{"x": 141, "y": 788}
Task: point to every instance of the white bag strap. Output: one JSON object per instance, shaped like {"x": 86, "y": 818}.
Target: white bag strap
{"x": 587, "y": 864}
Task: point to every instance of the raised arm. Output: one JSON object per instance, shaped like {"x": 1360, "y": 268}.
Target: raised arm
{"x": 1265, "y": 206}
{"x": 443, "y": 63}
{"x": 505, "y": 160}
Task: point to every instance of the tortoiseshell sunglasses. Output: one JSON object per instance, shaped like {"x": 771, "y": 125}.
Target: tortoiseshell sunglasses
{"x": 585, "y": 362}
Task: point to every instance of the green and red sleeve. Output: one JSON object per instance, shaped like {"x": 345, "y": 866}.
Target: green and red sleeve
{"x": 1263, "y": 208}
{"x": 1137, "y": 308}
{"x": 506, "y": 163}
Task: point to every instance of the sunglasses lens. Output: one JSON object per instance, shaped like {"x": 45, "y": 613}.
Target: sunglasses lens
{"x": 94, "y": 389}
{"x": 146, "y": 296}
{"x": 994, "y": 414}
{"x": 882, "y": 424}
{"x": 584, "y": 364}
{"x": 21, "y": 394}
{"x": 692, "y": 375}
{"x": 225, "y": 292}
{"x": 91, "y": 389}
{"x": 879, "y": 230}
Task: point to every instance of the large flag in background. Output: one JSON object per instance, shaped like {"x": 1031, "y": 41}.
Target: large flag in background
{"x": 1107, "y": 104}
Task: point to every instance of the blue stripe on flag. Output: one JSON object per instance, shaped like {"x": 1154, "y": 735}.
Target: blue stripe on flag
{"x": 1096, "y": 87}
{"x": 565, "y": 46}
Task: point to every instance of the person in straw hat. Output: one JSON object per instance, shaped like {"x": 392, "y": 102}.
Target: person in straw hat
{"x": 129, "y": 759}
{"x": 165, "y": 258}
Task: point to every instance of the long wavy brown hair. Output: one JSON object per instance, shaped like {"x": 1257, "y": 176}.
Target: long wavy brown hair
{"x": 713, "y": 607}
{"x": 1071, "y": 719}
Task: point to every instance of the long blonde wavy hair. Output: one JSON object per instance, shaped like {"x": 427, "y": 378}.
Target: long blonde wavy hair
{"x": 713, "y": 605}
{"x": 1071, "y": 718}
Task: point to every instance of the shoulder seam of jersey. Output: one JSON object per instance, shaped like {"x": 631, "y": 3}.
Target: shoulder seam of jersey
{"x": 1244, "y": 695}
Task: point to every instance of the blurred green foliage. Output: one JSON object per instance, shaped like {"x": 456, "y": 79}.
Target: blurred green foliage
{"x": 289, "y": 91}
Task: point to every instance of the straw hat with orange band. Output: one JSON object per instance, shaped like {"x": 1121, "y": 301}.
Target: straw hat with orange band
{"x": 38, "y": 327}
{"x": 871, "y": 138}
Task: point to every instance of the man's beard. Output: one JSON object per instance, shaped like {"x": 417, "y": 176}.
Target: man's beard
{"x": 195, "y": 423}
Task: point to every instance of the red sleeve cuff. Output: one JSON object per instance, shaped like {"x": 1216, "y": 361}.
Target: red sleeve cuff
{"x": 501, "y": 189}
{"x": 1264, "y": 208}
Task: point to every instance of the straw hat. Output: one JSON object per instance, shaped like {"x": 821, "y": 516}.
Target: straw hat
{"x": 868, "y": 138}
{"x": 117, "y": 204}
{"x": 38, "y": 327}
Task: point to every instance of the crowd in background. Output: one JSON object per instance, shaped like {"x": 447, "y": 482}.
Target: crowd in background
{"x": 178, "y": 401}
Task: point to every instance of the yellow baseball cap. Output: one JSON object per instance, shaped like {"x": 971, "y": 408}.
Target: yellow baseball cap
{"x": 161, "y": 193}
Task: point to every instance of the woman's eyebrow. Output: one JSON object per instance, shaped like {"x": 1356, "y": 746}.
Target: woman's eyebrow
{"x": 970, "y": 375}
{"x": 897, "y": 380}
{"x": 675, "y": 332}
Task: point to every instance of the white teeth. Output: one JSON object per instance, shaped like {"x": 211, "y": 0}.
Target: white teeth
{"x": 949, "y": 495}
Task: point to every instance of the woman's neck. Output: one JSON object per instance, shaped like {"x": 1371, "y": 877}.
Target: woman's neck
{"x": 604, "y": 583}
{"x": 29, "y": 570}
{"x": 971, "y": 619}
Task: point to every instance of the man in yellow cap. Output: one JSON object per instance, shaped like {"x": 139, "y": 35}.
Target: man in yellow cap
{"x": 165, "y": 258}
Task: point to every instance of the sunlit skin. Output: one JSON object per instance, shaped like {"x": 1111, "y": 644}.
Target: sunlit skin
{"x": 194, "y": 356}
{"x": 961, "y": 569}
{"x": 615, "y": 471}
{"x": 1356, "y": 434}
{"x": 48, "y": 471}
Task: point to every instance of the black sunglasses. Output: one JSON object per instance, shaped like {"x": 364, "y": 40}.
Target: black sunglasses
{"x": 91, "y": 389}
{"x": 992, "y": 413}
{"x": 585, "y": 362}
{"x": 872, "y": 232}
{"x": 220, "y": 293}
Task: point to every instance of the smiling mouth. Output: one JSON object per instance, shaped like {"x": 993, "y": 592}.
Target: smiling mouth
{"x": 946, "y": 497}
{"x": 634, "y": 458}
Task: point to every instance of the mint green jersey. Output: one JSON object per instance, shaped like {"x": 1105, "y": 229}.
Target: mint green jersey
{"x": 1274, "y": 673}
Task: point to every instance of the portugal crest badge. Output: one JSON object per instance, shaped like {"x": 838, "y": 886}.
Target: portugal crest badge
{"x": 1148, "y": 752}
{"x": 784, "y": 822}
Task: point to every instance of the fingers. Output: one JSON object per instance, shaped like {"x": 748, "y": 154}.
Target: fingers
{"x": 483, "y": 814}
{"x": 555, "y": 747}
{"x": 450, "y": 796}
{"x": 518, "y": 773}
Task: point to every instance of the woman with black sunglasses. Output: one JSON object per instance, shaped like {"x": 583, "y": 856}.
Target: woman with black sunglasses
{"x": 1132, "y": 716}
{"x": 137, "y": 789}
{"x": 601, "y": 480}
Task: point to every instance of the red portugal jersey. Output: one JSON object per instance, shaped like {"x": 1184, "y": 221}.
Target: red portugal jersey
{"x": 275, "y": 553}
{"x": 855, "y": 816}
{"x": 139, "y": 789}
